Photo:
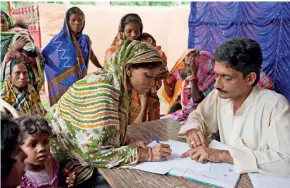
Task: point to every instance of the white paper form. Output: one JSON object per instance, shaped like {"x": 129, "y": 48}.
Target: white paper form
{"x": 264, "y": 181}
{"x": 163, "y": 167}
{"x": 220, "y": 174}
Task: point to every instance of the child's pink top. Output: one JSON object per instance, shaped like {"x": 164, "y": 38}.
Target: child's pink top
{"x": 48, "y": 177}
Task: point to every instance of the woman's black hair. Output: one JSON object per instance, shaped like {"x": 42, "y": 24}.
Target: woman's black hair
{"x": 242, "y": 54}
{"x": 151, "y": 65}
{"x": 9, "y": 143}
{"x": 74, "y": 10}
{"x": 33, "y": 125}
{"x": 17, "y": 61}
{"x": 131, "y": 18}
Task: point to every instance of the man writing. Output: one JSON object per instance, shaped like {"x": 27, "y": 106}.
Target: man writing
{"x": 253, "y": 121}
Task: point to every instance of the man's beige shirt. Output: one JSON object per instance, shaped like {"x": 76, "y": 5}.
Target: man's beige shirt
{"x": 258, "y": 134}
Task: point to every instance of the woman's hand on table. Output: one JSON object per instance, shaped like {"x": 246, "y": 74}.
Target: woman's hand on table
{"x": 159, "y": 152}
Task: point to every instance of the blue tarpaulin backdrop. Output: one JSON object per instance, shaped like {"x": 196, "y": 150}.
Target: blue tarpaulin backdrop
{"x": 211, "y": 24}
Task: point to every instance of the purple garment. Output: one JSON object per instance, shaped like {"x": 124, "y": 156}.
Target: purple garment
{"x": 60, "y": 56}
{"x": 51, "y": 170}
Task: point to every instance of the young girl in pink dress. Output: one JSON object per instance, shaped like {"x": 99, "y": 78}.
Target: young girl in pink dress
{"x": 41, "y": 166}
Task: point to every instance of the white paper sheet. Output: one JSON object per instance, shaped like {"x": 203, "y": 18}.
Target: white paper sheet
{"x": 163, "y": 167}
{"x": 220, "y": 174}
{"x": 263, "y": 181}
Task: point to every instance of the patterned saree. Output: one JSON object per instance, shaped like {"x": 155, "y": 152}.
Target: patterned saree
{"x": 90, "y": 120}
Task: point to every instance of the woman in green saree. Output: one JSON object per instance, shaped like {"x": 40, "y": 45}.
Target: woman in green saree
{"x": 91, "y": 118}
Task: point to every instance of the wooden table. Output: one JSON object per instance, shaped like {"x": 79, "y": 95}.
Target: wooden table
{"x": 125, "y": 178}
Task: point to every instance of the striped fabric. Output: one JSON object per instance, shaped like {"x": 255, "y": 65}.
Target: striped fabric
{"x": 88, "y": 115}
{"x": 90, "y": 120}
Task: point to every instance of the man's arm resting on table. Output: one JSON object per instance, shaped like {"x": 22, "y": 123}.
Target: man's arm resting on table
{"x": 226, "y": 157}
{"x": 204, "y": 154}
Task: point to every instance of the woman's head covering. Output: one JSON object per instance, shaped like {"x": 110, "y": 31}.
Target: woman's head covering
{"x": 66, "y": 59}
{"x": 12, "y": 63}
{"x": 8, "y": 18}
{"x": 128, "y": 18}
{"x": 131, "y": 52}
{"x": 5, "y": 39}
{"x": 26, "y": 101}
{"x": 131, "y": 18}
{"x": 105, "y": 94}
{"x": 7, "y": 70}
{"x": 74, "y": 10}
{"x": 205, "y": 72}
{"x": 179, "y": 65}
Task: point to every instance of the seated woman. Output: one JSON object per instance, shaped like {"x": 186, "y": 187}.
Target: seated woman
{"x": 173, "y": 84}
{"x": 67, "y": 55}
{"x": 91, "y": 118}
{"x": 198, "y": 81}
{"x": 18, "y": 92}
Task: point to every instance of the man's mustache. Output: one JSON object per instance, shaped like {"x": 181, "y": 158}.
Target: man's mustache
{"x": 222, "y": 91}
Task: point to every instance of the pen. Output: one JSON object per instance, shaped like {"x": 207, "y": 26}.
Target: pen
{"x": 156, "y": 139}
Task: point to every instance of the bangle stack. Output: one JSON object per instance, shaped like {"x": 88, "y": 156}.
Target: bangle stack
{"x": 145, "y": 154}
{"x": 149, "y": 155}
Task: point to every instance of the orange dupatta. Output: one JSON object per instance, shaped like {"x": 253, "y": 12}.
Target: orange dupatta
{"x": 179, "y": 65}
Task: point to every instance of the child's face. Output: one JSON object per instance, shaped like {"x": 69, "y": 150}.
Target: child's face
{"x": 145, "y": 40}
{"x": 37, "y": 148}
{"x": 4, "y": 23}
{"x": 148, "y": 41}
{"x": 17, "y": 170}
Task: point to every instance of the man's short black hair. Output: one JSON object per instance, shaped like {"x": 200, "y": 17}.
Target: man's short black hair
{"x": 9, "y": 143}
{"x": 242, "y": 54}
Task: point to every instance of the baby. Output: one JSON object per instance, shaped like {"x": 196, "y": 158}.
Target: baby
{"x": 41, "y": 167}
{"x": 29, "y": 50}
